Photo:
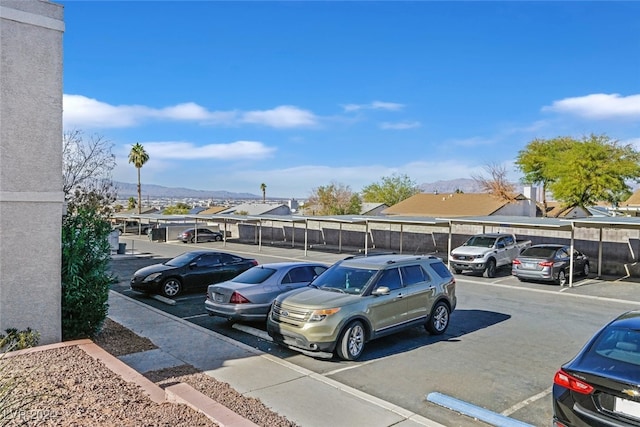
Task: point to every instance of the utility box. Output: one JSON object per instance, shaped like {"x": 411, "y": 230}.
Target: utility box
{"x": 158, "y": 234}
{"x": 122, "y": 248}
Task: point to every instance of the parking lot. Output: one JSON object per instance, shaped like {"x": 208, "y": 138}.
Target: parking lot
{"x": 504, "y": 344}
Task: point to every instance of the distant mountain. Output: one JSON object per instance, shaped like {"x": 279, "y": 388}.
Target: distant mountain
{"x": 126, "y": 190}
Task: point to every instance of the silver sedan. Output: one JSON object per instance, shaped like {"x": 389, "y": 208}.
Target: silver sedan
{"x": 549, "y": 262}
{"x": 249, "y": 295}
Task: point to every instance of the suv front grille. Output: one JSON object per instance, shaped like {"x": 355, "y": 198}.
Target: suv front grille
{"x": 287, "y": 314}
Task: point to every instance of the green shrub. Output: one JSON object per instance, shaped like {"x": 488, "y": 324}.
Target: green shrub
{"x": 85, "y": 277}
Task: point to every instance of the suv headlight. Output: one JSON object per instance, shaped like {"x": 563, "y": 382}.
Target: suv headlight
{"x": 152, "y": 277}
{"x": 319, "y": 315}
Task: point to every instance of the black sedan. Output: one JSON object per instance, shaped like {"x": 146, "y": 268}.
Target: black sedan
{"x": 601, "y": 385}
{"x": 549, "y": 262}
{"x": 193, "y": 235}
{"x": 190, "y": 271}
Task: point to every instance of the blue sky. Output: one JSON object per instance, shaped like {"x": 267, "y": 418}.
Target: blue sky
{"x": 300, "y": 94}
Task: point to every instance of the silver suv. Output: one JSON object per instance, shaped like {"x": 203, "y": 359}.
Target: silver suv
{"x": 362, "y": 298}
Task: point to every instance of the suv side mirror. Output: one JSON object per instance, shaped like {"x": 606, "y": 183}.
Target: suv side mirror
{"x": 381, "y": 290}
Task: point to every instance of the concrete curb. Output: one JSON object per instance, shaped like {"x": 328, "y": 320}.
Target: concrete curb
{"x": 180, "y": 393}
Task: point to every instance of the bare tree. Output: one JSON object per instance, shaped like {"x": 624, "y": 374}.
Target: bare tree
{"x": 87, "y": 163}
{"x": 496, "y": 183}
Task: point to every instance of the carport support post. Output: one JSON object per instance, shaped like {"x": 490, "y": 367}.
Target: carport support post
{"x": 573, "y": 228}
{"x": 600, "y": 254}
{"x": 224, "y": 238}
{"x": 340, "y": 239}
{"x": 306, "y": 238}
{"x": 449, "y": 247}
{"x": 259, "y": 235}
{"x": 401, "y": 229}
{"x": 366, "y": 237}
{"x": 293, "y": 234}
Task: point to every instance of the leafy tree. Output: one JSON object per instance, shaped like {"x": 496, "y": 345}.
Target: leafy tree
{"x": 593, "y": 169}
{"x": 85, "y": 263}
{"x": 497, "y": 183}
{"x": 131, "y": 203}
{"x": 138, "y": 156}
{"x": 534, "y": 162}
{"x": 335, "y": 199}
{"x": 89, "y": 193}
{"x": 390, "y": 190}
{"x": 177, "y": 209}
{"x": 263, "y": 188}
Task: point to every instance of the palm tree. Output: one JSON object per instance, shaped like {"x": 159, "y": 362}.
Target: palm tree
{"x": 263, "y": 187}
{"x": 138, "y": 157}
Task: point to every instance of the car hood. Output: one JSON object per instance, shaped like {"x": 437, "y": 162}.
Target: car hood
{"x": 155, "y": 268}
{"x": 317, "y": 298}
{"x": 471, "y": 250}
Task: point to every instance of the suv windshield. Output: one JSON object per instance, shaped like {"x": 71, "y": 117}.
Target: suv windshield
{"x": 344, "y": 279}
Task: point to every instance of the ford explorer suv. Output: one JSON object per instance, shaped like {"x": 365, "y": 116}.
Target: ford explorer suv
{"x": 362, "y": 298}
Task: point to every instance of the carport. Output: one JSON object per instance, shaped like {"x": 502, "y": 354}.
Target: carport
{"x": 409, "y": 220}
{"x": 614, "y": 222}
{"x": 519, "y": 222}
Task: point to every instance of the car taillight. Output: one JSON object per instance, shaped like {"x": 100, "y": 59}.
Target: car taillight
{"x": 572, "y": 383}
{"x": 236, "y": 298}
{"x": 546, "y": 264}
{"x": 254, "y": 262}
{"x": 516, "y": 262}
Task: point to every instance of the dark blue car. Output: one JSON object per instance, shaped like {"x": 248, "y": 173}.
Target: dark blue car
{"x": 601, "y": 385}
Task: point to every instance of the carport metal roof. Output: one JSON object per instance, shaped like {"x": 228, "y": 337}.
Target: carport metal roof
{"x": 557, "y": 224}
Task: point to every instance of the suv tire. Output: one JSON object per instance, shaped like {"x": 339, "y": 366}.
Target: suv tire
{"x": 351, "y": 343}
{"x": 439, "y": 319}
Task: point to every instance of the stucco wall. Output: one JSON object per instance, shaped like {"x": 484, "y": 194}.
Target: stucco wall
{"x": 31, "y": 199}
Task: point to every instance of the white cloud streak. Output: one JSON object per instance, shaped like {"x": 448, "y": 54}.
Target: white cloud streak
{"x": 186, "y": 150}
{"x": 375, "y": 105}
{"x": 87, "y": 113}
{"x": 399, "y": 125}
{"x": 598, "y": 106}
{"x": 285, "y": 116}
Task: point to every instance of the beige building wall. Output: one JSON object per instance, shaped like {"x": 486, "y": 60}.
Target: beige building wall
{"x": 31, "y": 199}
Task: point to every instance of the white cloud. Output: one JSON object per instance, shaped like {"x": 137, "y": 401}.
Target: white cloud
{"x": 599, "y": 106}
{"x": 375, "y": 105}
{"x": 186, "y": 150}
{"x": 399, "y": 125}
{"x": 86, "y": 113}
{"x": 284, "y": 116}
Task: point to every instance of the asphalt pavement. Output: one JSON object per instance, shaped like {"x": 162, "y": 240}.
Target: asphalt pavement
{"x": 303, "y": 396}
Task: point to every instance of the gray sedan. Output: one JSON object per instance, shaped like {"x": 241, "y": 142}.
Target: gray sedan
{"x": 549, "y": 262}
{"x": 249, "y": 295}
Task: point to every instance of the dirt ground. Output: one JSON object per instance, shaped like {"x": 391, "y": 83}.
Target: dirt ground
{"x": 66, "y": 387}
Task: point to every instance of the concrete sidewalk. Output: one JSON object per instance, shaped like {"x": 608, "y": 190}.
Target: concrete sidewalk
{"x": 304, "y": 397}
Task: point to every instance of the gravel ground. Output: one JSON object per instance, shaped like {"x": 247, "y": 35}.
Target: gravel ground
{"x": 66, "y": 387}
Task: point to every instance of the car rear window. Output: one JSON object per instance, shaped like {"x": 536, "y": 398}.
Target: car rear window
{"x": 619, "y": 344}
{"x": 254, "y": 275}
{"x": 539, "y": 252}
{"x": 441, "y": 270}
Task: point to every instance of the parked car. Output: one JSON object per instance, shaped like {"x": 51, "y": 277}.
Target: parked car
{"x": 485, "y": 253}
{"x": 549, "y": 262}
{"x": 362, "y": 298}
{"x": 189, "y": 271}
{"x": 249, "y": 295}
{"x": 600, "y": 386}
{"x": 202, "y": 234}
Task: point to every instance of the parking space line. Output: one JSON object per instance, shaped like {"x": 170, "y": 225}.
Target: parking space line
{"x": 195, "y": 316}
{"x": 525, "y": 402}
{"x": 543, "y": 291}
{"x": 252, "y": 331}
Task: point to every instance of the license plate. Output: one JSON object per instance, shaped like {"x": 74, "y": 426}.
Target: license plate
{"x": 218, "y": 297}
{"x": 627, "y": 407}
{"x": 529, "y": 265}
